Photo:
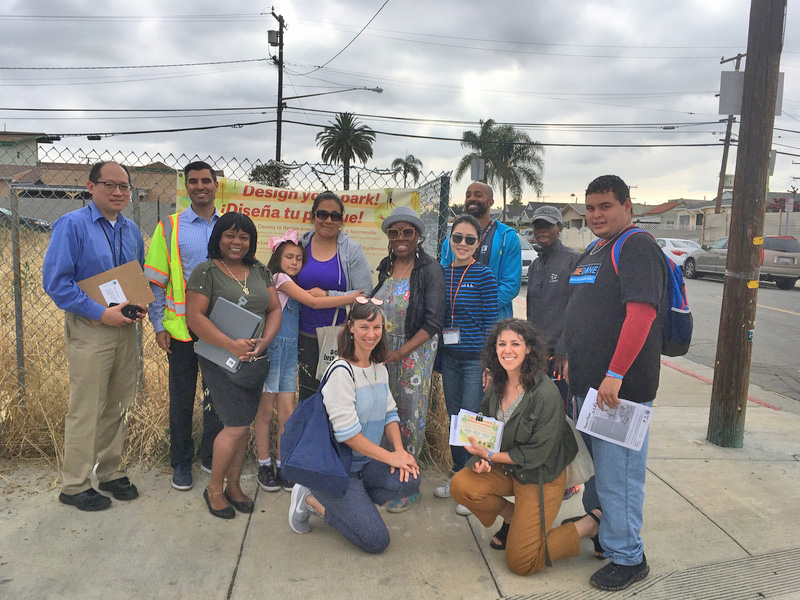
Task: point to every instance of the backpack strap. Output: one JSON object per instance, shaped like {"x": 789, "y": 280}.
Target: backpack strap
{"x": 339, "y": 365}
{"x": 616, "y": 248}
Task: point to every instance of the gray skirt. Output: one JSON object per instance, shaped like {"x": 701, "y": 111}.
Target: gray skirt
{"x": 235, "y": 405}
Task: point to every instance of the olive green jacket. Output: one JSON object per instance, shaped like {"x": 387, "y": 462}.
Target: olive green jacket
{"x": 536, "y": 436}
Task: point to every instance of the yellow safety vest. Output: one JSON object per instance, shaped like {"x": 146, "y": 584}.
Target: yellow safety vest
{"x": 163, "y": 267}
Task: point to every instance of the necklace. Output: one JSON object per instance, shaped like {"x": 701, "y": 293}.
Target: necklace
{"x": 407, "y": 269}
{"x": 241, "y": 285}
{"x": 374, "y": 376}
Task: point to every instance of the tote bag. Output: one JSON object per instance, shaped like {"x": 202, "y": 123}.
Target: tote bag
{"x": 327, "y": 339}
{"x": 581, "y": 469}
{"x": 311, "y": 456}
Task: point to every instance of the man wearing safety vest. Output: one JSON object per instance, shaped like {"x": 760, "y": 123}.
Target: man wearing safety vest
{"x": 179, "y": 243}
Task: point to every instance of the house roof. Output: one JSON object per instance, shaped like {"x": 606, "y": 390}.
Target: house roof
{"x": 14, "y": 137}
{"x": 662, "y": 208}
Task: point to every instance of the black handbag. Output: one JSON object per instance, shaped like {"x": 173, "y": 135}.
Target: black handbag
{"x": 251, "y": 374}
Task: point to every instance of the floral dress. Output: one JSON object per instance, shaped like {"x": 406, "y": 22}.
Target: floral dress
{"x": 410, "y": 378}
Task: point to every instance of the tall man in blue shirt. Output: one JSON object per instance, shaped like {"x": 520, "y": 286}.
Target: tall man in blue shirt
{"x": 101, "y": 341}
{"x": 180, "y": 243}
{"x": 498, "y": 248}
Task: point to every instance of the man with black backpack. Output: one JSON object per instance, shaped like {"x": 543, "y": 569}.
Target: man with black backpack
{"x": 613, "y": 333}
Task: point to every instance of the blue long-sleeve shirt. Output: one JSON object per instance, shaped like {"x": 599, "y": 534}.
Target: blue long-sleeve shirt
{"x": 475, "y": 308}
{"x": 84, "y": 243}
{"x": 195, "y": 232}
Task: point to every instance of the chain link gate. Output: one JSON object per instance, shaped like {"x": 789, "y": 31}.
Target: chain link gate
{"x": 40, "y": 183}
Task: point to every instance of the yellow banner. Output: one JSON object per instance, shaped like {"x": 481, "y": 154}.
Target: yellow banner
{"x": 274, "y": 210}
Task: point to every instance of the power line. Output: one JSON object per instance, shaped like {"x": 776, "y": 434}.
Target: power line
{"x": 197, "y": 64}
{"x": 351, "y": 41}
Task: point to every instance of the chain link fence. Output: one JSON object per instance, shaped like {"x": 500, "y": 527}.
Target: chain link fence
{"x": 38, "y": 184}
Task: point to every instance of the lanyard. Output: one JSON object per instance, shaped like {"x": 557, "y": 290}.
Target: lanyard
{"x": 484, "y": 234}
{"x": 111, "y": 245}
{"x": 452, "y": 295}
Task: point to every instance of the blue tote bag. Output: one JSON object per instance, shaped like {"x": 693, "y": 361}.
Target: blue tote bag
{"x": 310, "y": 455}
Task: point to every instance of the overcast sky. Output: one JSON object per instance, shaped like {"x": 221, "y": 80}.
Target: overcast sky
{"x": 557, "y": 68}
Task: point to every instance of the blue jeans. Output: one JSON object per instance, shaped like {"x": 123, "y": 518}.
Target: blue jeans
{"x": 462, "y": 381}
{"x": 355, "y": 515}
{"x": 617, "y": 488}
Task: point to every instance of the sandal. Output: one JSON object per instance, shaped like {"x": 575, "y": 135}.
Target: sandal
{"x": 598, "y": 549}
{"x": 502, "y": 535}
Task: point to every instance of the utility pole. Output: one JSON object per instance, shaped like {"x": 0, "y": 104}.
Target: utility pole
{"x": 279, "y": 63}
{"x": 727, "y": 145}
{"x": 735, "y": 341}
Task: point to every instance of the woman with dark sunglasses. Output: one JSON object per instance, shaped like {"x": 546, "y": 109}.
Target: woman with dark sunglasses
{"x": 471, "y": 292}
{"x": 411, "y": 285}
{"x": 336, "y": 266}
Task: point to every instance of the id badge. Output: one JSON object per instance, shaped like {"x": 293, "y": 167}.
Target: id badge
{"x": 451, "y": 335}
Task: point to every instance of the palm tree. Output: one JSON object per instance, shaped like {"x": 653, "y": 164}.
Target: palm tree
{"x": 345, "y": 140}
{"x": 512, "y": 159}
{"x": 410, "y": 165}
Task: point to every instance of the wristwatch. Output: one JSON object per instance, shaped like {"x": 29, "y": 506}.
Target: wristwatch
{"x": 490, "y": 455}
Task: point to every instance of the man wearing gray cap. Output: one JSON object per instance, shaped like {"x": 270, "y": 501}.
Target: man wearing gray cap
{"x": 548, "y": 288}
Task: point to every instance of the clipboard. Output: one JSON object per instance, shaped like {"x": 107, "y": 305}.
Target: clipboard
{"x": 125, "y": 282}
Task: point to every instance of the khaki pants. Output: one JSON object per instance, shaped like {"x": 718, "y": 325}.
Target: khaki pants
{"x": 102, "y": 386}
{"x": 483, "y": 495}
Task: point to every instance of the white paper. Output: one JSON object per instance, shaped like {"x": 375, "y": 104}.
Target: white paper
{"x": 489, "y": 431}
{"x": 625, "y": 425}
{"x": 112, "y": 292}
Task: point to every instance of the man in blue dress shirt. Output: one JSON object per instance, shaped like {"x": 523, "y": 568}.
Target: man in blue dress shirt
{"x": 101, "y": 341}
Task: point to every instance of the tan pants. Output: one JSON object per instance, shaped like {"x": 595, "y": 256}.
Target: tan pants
{"x": 483, "y": 495}
{"x": 102, "y": 386}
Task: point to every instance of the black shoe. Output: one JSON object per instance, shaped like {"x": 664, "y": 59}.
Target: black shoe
{"x": 614, "y": 577}
{"x": 121, "y": 489}
{"x": 598, "y": 549}
{"x": 224, "y": 513}
{"x": 243, "y": 507}
{"x": 502, "y": 536}
{"x": 88, "y": 500}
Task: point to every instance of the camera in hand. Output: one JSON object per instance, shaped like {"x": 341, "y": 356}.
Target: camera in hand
{"x": 130, "y": 311}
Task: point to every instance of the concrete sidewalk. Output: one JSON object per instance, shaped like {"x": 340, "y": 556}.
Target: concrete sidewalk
{"x": 719, "y": 523}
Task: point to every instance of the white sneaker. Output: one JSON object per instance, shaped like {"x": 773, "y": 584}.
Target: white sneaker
{"x": 299, "y": 511}
{"x": 443, "y": 491}
{"x": 462, "y": 510}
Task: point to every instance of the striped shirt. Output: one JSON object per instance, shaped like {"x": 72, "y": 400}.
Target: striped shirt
{"x": 362, "y": 406}
{"x": 475, "y": 310}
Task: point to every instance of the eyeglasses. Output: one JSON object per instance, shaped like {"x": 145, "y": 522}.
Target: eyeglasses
{"x": 469, "y": 240}
{"x": 400, "y": 234}
{"x": 123, "y": 187}
{"x": 323, "y": 215}
{"x": 364, "y": 300}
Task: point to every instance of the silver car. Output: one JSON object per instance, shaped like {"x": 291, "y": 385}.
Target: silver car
{"x": 780, "y": 260}
{"x": 528, "y": 256}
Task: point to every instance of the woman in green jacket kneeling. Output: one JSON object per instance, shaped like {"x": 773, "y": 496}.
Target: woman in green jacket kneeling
{"x": 536, "y": 448}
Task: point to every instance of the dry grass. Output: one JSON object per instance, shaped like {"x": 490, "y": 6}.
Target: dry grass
{"x": 35, "y": 427}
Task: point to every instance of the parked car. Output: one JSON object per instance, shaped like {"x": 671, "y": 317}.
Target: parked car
{"x": 528, "y": 256}
{"x": 677, "y": 249}
{"x": 528, "y": 234}
{"x": 25, "y": 222}
{"x": 780, "y": 260}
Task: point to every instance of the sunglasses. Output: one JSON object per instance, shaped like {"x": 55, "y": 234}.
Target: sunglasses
{"x": 323, "y": 215}
{"x": 364, "y": 300}
{"x": 400, "y": 234}
{"x": 469, "y": 240}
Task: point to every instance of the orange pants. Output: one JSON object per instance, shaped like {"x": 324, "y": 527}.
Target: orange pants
{"x": 483, "y": 495}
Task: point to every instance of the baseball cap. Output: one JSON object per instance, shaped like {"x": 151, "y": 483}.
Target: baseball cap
{"x": 547, "y": 213}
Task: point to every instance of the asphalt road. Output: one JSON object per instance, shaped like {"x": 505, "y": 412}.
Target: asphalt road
{"x": 775, "y": 361}
{"x": 776, "y": 352}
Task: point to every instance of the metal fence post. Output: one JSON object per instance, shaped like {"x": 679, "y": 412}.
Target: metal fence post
{"x": 444, "y": 212}
{"x": 17, "y": 269}
{"x": 137, "y": 218}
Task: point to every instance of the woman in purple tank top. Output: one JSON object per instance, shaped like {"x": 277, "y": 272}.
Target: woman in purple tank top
{"x": 336, "y": 266}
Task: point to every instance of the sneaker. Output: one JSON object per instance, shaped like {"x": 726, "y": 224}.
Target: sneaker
{"x": 121, "y": 488}
{"x": 443, "y": 491}
{"x": 88, "y": 500}
{"x": 614, "y": 577}
{"x": 182, "y": 477}
{"x": 570, "y": 492}
{"x": 267, "y": 480}
{"x": 299, "y": 511}
{"x": 286, "y": 483}
{"x": 403, "y": 504}
{"x": 462, "y": 511}
{"x": 205, "y": 466}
